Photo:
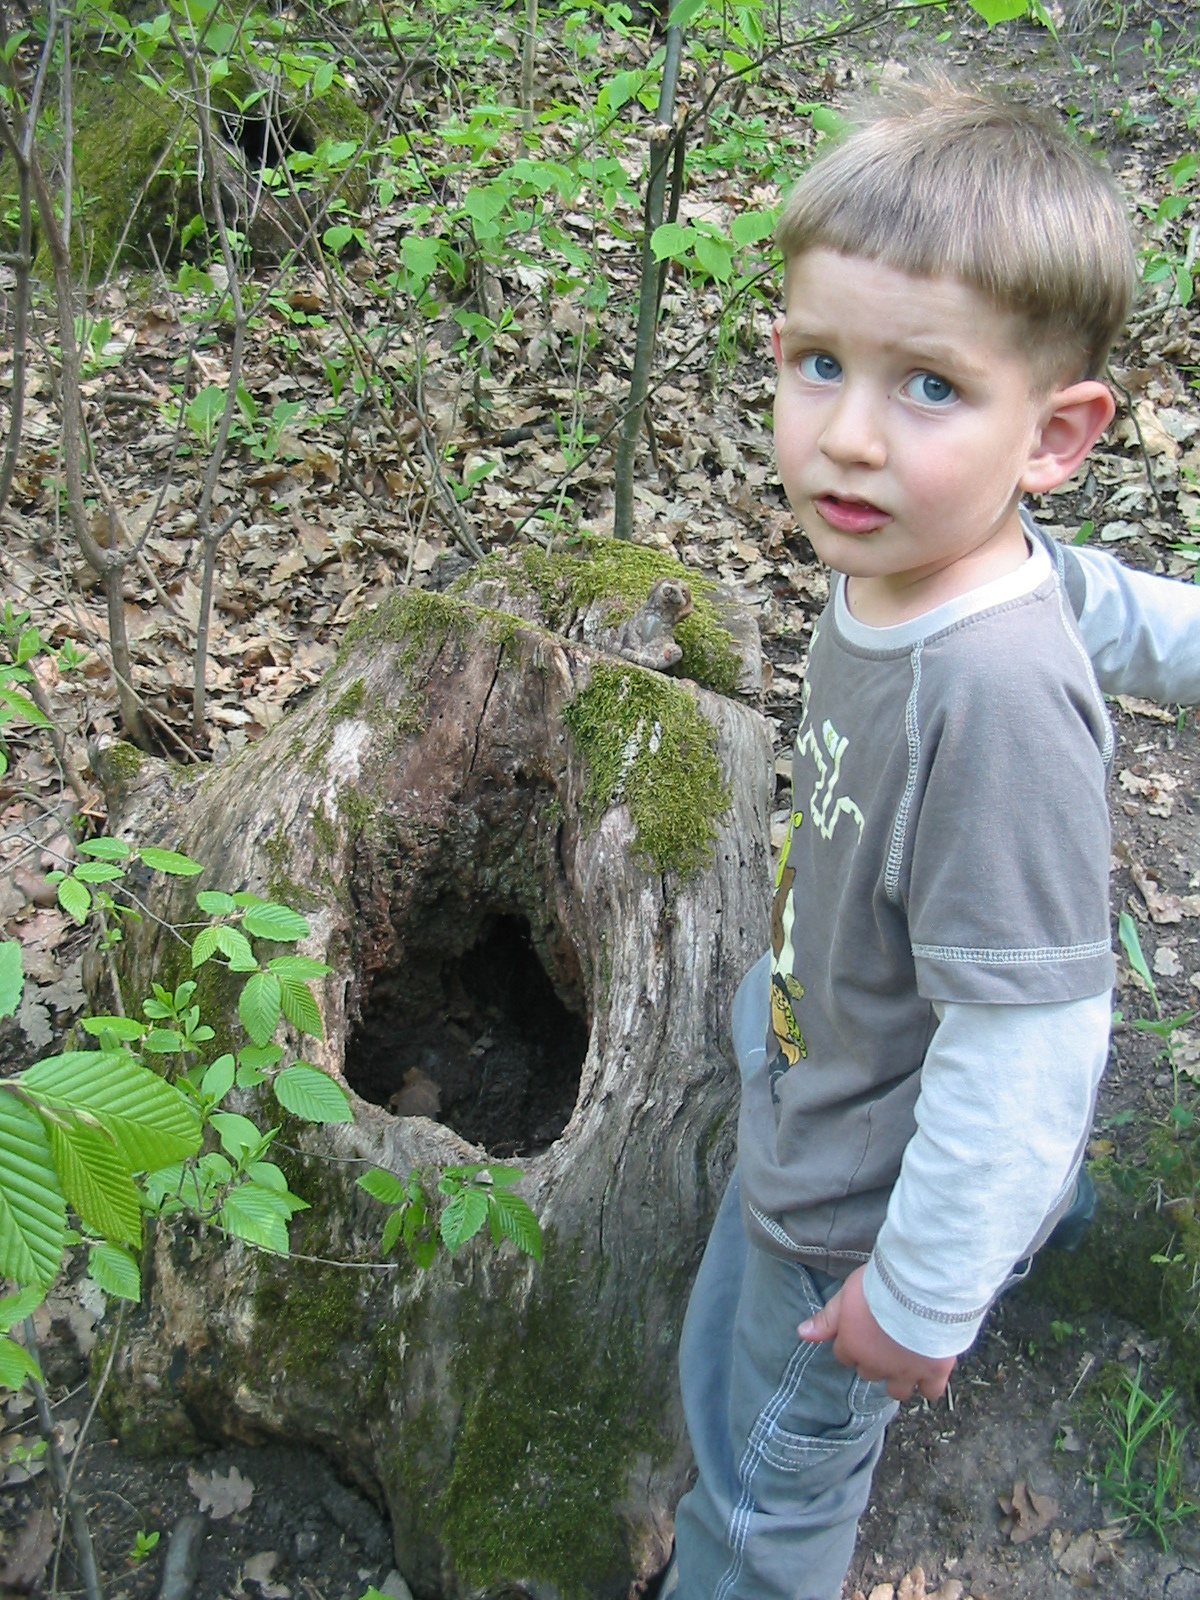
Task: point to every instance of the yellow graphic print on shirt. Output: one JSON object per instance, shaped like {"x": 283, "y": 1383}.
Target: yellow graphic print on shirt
{"x": 826, "y": 807}
{"x": 785, "y": 986}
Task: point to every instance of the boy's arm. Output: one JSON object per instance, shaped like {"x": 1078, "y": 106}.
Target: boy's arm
{"x": 1142, "y": 632}
{"x": 1007, "y": 1093}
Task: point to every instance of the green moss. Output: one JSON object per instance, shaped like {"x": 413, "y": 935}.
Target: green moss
{"x": 123, "y": 130}
{"x": 309, "y": 1313}
{"x": 552, "y": 1423}
{"x": 280, "y": 886}
{"x": 623, "y": 573}
{"x": 136, "y": 145}
{"x": 324, "y": 830}
{"x": 122, "y": 761}
{"x": 354, "y": 808}
{"x": 646, "y": 744}
{"x": 1114, "y": 1271}
{"x": 349, "y": 703}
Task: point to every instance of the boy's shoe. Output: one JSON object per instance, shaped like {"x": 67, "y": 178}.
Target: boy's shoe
{"x": 1076, "y": 1219}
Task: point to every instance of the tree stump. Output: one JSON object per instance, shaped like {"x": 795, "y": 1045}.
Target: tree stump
{"x": 538, "y": 874}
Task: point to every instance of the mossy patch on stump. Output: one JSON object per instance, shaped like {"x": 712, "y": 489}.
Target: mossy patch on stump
{"x": 566, "y": 582}
{"x": 646, "y": 744}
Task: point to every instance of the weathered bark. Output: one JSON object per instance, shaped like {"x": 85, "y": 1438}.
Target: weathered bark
{"x": 428, "y": 810}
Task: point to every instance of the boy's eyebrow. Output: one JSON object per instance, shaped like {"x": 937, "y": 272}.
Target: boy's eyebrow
{"x": 930, "y": 351}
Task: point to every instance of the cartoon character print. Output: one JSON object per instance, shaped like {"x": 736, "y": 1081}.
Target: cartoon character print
{"x": 785, "y": 986}
{"x": 826, "y": 807}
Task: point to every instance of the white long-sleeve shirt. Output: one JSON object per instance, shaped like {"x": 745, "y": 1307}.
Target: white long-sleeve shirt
{"x": 979, "y": 1176}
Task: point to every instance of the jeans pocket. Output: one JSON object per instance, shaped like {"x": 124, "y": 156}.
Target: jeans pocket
{"x": 833, "y": 1417}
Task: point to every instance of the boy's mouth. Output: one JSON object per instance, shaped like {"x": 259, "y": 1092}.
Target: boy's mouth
{"x": 850, "y": 516}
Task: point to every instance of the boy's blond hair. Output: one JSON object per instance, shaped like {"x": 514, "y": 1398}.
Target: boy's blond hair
{"x": 940, "y": 181}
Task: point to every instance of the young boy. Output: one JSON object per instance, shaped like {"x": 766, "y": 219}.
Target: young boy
{"x": 921, "y": 1049}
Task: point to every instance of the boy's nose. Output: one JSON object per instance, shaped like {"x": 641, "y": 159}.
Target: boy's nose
{"x": 852, "y": 434}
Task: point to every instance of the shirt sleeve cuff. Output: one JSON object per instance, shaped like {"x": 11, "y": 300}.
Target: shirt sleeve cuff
{"x": 925, "y": 1330}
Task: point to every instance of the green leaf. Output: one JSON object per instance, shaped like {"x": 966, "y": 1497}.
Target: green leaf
{"x": 105, "y": 849}
{"x": 20, "y": 705}
{"x": 391, "y": 1232}
{"x": 270, "y": 1176}
{"x": 485, "y": 205}
{"x": 259, "y": 1005}
{"x": 75, "y": 898}
{"x": 96, "y": 1181}
{"x": 12, "y": 978}
{"x": 1184, "y": 286}
{"x": 266, "y": 920}
{"x": 234, "y": 945}
{"x": 302, "y": 967}
{"x": 384, "y": 1186}
{"x": 1128, "y": 935}
{"x": 672, "y": 240}
{"x": 312, "y": 1095}
{"x": 462, "y": 1218}
{"x": 19, "y": 1306}
{"x": 252, "y": 1213}
{"x": 237, "y": 1134}
{"x": 204, "y": 947}
{"x": 202, "y": 415}
{"x": 715, "y": 256}
{"x": 299, "y": 1007}
{"x": 218, "y": 1080}
{"x": 751, "y": 226}
{"x": 151, "y": 1120}
{"x": 337, "y": 238}
{"x": 215, "y": 903}
{"x": 259, "y": 1057}
{"x": 33, "y": 1213}
{"x": 16, "y": 1364}
{"x": 115, "y": 1270}
{"x": 163, "y": 1042}
{"x": 994, "y": 11}
{"x": 170, "y": 862}
{"x": 516, "y": 1221}
{"x": 127, "y": 1028}
{"x": 97, "y": 872}
{"x": 684, "y": 12}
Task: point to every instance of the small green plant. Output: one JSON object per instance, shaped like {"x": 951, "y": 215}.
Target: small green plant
{"x": 144, "y": 1544}
{"x": 1143, "y": 1473}
{"x": 474, "y": 1195}
{"x": 103, "y": 1134}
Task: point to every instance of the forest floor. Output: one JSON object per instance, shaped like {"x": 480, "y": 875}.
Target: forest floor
{"x": 323, "y": 530}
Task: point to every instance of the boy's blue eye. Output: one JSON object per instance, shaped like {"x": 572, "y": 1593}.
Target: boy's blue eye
{"x": 930, "y": 390}
{"x": 818, "y": 367}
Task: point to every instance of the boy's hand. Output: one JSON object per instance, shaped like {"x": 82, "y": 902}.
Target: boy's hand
{"x": 859, "y": 1342}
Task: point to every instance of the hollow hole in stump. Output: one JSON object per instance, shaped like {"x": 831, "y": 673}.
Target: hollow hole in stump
{"x": 263, "y": 140}
{"x": 480, "y": 1041}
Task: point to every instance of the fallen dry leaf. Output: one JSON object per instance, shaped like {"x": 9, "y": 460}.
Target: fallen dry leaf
{"x": 1026, "y": 1513}
{"x": 1079, "y": 1557}
{"x": 221, "y": 1495}
{"x": 31, "y": 1552}
{"x": 1166, "y": 961}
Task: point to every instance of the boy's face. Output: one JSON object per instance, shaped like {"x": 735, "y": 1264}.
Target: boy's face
{"x": 906, "y": 421}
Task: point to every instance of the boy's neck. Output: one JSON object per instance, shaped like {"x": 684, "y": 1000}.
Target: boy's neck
{"x": 886, "y": 601}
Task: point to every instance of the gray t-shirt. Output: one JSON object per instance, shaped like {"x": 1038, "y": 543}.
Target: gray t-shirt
{"x": 949, "y": 842}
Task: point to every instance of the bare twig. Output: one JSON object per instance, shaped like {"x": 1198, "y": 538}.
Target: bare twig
{"x": 71, "y": 1506}
{"x": 661, "y": 138}
{"x": 211, "y": 535}
{"x": 1137, "y": 428}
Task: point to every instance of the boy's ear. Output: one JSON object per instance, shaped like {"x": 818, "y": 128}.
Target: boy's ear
{"x": 776, "y": 347}
{"x": 1074, "y": 418}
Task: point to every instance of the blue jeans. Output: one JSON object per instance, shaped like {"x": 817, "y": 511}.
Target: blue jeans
{"x": 785, "y": 1438}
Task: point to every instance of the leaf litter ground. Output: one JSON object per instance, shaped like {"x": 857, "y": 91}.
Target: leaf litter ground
{"x": 992, "y": 1496}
